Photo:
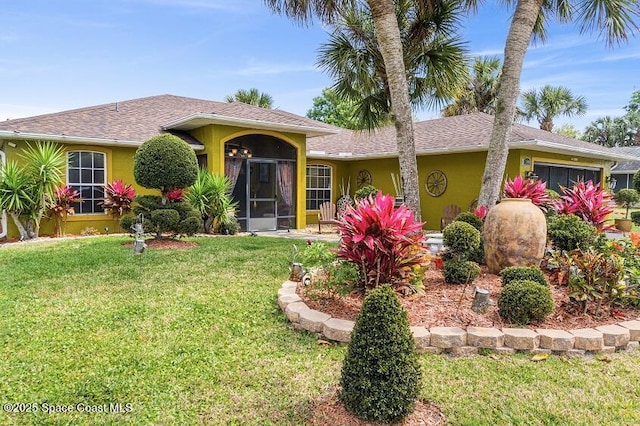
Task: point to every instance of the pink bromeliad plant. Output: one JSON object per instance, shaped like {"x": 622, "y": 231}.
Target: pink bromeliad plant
{"x": 118, "y": 198}
{"x": 385, "y": 242}
{"x": 535, "y": 190}
{"x": 587, "y": 201}
{"x": 175, "y": 195}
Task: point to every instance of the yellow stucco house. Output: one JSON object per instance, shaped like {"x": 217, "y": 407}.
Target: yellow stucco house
{"x": 283, "y": 166}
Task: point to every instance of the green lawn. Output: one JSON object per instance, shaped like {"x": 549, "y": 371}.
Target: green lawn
{"x": 196, "y": 337}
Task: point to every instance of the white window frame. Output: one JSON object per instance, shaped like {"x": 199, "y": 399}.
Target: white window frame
{"x": 93, "y": 185}
{"x": 318, "y": 188}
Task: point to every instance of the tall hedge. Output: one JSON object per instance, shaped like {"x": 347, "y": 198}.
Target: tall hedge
{"x": 380, "y": 374}
{"x": 165, "y": 162}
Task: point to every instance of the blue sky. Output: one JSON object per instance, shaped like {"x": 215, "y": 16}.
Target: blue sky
{"x": 64, "y": 54}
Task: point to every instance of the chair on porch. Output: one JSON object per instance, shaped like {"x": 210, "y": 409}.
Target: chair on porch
{"x": 326, "y": 215}
{"x": 449, "y": 212}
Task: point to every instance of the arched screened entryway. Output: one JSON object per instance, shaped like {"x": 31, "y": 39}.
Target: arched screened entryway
{"x": 262, "y": 170}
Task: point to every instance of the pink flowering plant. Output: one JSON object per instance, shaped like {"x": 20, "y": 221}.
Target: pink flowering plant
{"x": 62, "y": 206}
{"x": 587, "y": 201}
{"x": 480, "y": 212}
{"x": 175, "y": 195}
{"x": 535, "y": 190}
{"x": 385, "y": 242}
{"x": 118, "y": 198}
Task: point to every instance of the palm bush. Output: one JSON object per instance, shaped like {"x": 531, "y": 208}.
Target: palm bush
{"x": 210, "y": 195}
{"x": 27, "y": 192}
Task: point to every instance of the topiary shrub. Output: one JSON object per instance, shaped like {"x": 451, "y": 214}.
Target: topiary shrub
{"x": 165, "y": 162}
{"x": 165, "y": 220}
{"x": 460, "y": 238}
{"x": 519, "y": 273}
{"x": 522, "y": 302}
{"x": 365, "y": 192}
{"x": 471, "y": 219}
{"x": 569, "y": 232}
{"x": 460, "y": 271}
{"x": 380, "y": 374}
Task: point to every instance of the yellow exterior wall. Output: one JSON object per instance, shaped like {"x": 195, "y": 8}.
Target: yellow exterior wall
{"x": 339, "y": 170}
{"x": 562, "y": 160}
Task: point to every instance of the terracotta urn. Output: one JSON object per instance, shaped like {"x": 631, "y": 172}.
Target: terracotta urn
{"x": 514, "y": 234}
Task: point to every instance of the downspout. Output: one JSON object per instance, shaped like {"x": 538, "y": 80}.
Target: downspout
{"x": 3, "y": 217}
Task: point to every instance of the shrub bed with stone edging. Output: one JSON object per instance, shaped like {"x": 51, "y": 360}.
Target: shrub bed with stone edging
{"x": 456, "y": 341}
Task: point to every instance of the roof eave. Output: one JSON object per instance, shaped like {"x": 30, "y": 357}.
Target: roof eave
{"x": 382, "y": 155}
{"x": 80, "y": 140}
{"x": 546, "y": 146}
{"x": 194, "y": 121}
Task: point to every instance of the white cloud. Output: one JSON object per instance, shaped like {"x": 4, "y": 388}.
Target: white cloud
{"x": 488, "y": 52}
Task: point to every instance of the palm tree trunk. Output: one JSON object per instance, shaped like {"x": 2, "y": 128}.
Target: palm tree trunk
{"x": 515, "y": 49}
{"x": 24, "y": 235}
{"x": 388, "y": 37}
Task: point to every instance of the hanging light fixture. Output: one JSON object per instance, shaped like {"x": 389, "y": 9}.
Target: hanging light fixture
{"x": 238, "y": 152}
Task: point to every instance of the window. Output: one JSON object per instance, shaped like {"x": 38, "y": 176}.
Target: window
{"x": 318, "y": 185}
{"x": 86, "y": 173}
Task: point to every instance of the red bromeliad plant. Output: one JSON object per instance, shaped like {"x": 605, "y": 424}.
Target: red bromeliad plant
{"x": 480, "y": 212}
{"x": 587, "y": 201}
{"x": 385, "y": 243}
{"x": 61, "y": 207}
{"x": 118, "y": 198}
{"x": 535, "y": 190}
{"x": 175, "y": 195}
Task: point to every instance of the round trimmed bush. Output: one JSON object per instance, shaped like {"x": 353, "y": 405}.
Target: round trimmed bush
{"x": 471, "y": 219}
{"x": 364, "y": 192}
{"x": 522, "y": 302}
{"x": 165, "y": 219}
{"x": 518, "y": 273}
{"x": 165, "y": 162}
{"x": 460, "y": 237}
{"x": 380, "y": 374}
{"x": 460, "y": 271}
{"x": 569, "y": 232}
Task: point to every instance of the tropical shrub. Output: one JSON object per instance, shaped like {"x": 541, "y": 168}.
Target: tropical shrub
{"x": 587, "y": 201}
{"x": 522, "y": 302}
{"x": 27, "y": 191}
{"x": 211, "y": 196}
{"x": 365, "y": 192}
{"x": 380, "y": 377}
{"x": 471, "y": 219}
{"x": 165, "y": 162}
{"x": 480, "y": 212}
{"x": 175, "y": 195}
{"x": 596, "y": 277}
{"x": 568, "y": 232}
{"x": 626, "y": 198}
{"x": 635, "y": 217}
{"x": 460, "y": 271}
{"x": 535, "y": 190}
{"x": 519, "y": 273}
{"x": 335, "y": 279}
{"x": 316, "y": 254}
{"x": 385, "y": 242}
{"x": 118, "y": 198}
{"x": 62, "y": 206}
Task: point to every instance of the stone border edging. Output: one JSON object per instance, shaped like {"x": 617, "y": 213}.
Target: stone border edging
{"x": 605, "y": 339}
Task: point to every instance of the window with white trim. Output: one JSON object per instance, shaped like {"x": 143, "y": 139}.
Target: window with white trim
{"x": 318, "y": 185}
{"x": 87, "y": 174}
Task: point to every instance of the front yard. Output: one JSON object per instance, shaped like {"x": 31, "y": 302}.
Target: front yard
{"x": 196, "y": 337}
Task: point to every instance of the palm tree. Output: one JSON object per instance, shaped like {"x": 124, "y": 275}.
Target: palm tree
{"x": 251, "y": 97}
{"x": 611, "y": 132}
{"x": 612, "y": 18}
{"x": 479, "y": 95}
{"x": 433, "y": 57}
{"x": 390, "y": 45}
{"x": 549, "y": 102}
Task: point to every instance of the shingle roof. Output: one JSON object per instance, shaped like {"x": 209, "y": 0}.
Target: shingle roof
{"x": 141, "y": 119}
{"x": 461, "y": 133}
{"x": 627, "y": 166}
